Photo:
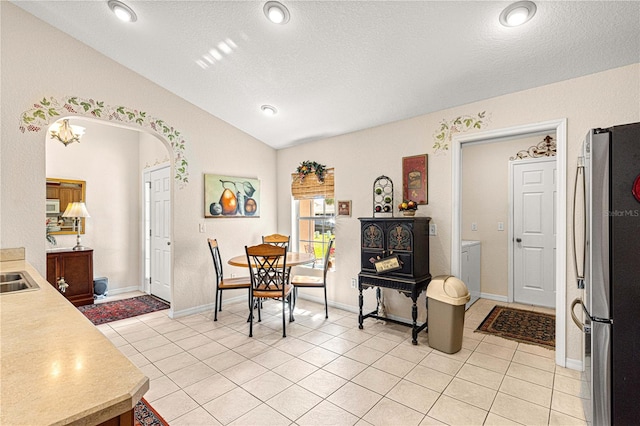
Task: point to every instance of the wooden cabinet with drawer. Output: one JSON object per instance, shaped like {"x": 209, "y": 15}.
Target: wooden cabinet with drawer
{"x": 75, "y": 267}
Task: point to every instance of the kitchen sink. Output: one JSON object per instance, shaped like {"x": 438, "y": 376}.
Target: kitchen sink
{"x": 14, "y": 282}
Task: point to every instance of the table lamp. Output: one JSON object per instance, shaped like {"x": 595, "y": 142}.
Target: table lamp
{"x": 76, "y": 210}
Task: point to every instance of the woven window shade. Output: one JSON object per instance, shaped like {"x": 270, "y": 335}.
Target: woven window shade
{"x": 310, "y": 187}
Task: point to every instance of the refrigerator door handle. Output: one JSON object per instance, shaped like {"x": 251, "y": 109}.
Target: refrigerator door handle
{"x": 580, "y": 172}
{"x": 583, "y": 327}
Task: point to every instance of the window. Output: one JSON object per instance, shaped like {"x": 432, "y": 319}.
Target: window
{"x": 315, "y": 227}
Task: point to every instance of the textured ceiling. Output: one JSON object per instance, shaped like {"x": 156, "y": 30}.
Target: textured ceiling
{"x": 342, "y": 66}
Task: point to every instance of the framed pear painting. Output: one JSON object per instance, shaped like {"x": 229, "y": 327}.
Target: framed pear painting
{"x": 231, "y": 196}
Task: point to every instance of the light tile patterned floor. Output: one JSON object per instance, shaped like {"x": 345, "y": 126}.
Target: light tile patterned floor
{"x": 329, "y": 372}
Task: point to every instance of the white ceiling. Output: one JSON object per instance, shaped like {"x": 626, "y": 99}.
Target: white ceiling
{"x": 342, "y": 66}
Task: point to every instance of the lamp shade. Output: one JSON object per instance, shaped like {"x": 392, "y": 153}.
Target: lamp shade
{"x": 76, "y": 209}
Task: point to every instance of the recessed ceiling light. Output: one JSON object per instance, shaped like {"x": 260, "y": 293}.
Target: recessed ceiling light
{"x": 122, "y": 11}
{"x": 276, "y": 12}
{"x": 517, "y": 13}
{"x": 269, "y": 110}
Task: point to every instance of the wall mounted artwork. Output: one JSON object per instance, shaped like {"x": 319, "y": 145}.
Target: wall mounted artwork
{"x": 231, "y": 196}
{"x": 344, "y": 208}
{"x": 414, "y": 179}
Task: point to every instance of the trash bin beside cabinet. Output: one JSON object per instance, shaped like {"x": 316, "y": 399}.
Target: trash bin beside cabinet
{"x": 446, "y": 299}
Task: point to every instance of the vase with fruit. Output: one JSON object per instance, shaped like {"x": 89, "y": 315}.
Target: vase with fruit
{"x": 408, "y": 207}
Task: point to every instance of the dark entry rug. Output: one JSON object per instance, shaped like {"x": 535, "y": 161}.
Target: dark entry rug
{"x": 145, "y": 415}
{"x": 101, "y": 313}
{"x": 520, "y": 325}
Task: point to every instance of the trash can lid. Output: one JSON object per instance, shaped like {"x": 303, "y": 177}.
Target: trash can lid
{"x": 448, "y": 289}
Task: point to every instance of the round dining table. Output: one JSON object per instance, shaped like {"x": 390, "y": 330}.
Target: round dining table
{"x": 293, "y": 259}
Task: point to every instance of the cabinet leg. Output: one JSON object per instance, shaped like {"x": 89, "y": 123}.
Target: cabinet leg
{"x": 414, "y": 316}
{"x": 360, "y": 302}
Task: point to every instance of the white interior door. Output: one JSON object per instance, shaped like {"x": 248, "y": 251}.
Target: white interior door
{"x": 534, "y": 232}
{"x": 161, "y": 233}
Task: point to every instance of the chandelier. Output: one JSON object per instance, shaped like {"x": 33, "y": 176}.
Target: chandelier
{"x": 66, "y": 133}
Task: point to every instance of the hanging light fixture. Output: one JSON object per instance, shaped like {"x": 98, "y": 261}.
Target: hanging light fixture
{"x": 66, "y": 133}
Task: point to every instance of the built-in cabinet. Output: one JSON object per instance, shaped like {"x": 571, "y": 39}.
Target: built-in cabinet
{"x": 72, "y": 270}
{"x": 470, "y": 267}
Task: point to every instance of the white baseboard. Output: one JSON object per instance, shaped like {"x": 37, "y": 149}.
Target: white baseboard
{"x": 204, "y": 308}
{"x": 350, "y": 308}
{"x": 114, "y": 291}
{"x": 574, "y": 364}
{"x": 496, "y": 297}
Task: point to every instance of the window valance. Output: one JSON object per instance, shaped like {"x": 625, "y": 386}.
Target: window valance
{"x": 310, "y": 187}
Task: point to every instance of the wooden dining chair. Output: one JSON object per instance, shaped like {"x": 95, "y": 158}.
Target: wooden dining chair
{"x": 276, "y": 240}
{"x": 221, "y": 282}
{"x": 311, "y": 281}
{"x": 280, "y": 241}
{"x": 268, "y": 265}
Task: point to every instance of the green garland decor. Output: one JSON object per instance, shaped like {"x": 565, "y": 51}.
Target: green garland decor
{"x": 49, "y": 109}
{"x": 309, "y": 167}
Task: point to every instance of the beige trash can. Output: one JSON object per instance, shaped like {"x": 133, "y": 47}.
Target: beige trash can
{"x": 446, "y": 299}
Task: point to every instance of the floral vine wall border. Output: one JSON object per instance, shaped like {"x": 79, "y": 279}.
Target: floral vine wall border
{"x": 459, "y": 124}
{"x": 51, "y": 109}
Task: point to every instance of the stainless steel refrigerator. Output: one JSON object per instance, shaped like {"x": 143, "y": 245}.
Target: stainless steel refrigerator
{"x": 607, "y": 245}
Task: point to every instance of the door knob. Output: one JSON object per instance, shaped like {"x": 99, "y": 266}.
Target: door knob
{"x": 518, "y": 240}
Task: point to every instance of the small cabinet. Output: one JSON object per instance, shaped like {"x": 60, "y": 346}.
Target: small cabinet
{"x": 405, "y": 239}
{"x": 76, "y": 268}
{"x": 470, "y": 267}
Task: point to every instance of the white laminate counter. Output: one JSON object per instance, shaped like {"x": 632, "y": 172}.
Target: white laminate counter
{"x": 56, "y": 366}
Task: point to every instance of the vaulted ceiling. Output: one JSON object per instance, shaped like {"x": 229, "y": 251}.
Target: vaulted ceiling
{"x": 341, "y": 66}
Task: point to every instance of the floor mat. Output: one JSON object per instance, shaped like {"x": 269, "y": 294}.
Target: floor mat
{"x": 145, "y": 415}
{"x": 101, "y": 313}
{"x": 520, "y": 325}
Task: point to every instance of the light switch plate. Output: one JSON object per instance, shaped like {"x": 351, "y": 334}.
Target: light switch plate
{"x": 433, "y": 229}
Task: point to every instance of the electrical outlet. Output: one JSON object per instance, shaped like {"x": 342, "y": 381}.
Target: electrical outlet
{"x": 233, "y": 275}
{"x": 354, "y": 283}
{"x": 433, "y": 229}
{"x": 474, "y": 226}
{"x": 500, "y": 226}
{"x": 202, "y": 228}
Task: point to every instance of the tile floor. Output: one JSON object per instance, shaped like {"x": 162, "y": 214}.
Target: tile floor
{"x": 329, "y": 372}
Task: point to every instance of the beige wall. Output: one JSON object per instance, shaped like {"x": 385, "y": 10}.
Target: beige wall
{"x": 485, "y": 202}
{"x": 598, "y": 100}
{"x": 213, "y": 146}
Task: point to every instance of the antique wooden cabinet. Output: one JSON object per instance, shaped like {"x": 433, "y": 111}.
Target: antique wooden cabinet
{"x": 75, "y": 267}
{"x": 394, "y": 253}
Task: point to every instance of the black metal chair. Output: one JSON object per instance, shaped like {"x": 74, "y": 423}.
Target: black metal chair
{"x": 267, "y": 264}
{"x": 221, "y": 282}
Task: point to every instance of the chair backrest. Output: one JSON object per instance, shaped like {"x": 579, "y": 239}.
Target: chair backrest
{"x": 276, "y": 240}
{"x": 217, "y": 261}
{"x": 268, "y": 267}
{"x": 326, "y": 258}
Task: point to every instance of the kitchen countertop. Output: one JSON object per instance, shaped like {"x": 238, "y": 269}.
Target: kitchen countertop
{"x": 56, "y": 367}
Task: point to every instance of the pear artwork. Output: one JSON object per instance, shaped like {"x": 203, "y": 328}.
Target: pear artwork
{"x": 229, "y": 202}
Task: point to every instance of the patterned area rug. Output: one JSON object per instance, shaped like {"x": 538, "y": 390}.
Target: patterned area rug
{"x": 101, "y": 313}
{"x": 520, "y": 325}
{"x": 145, "y": 415}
